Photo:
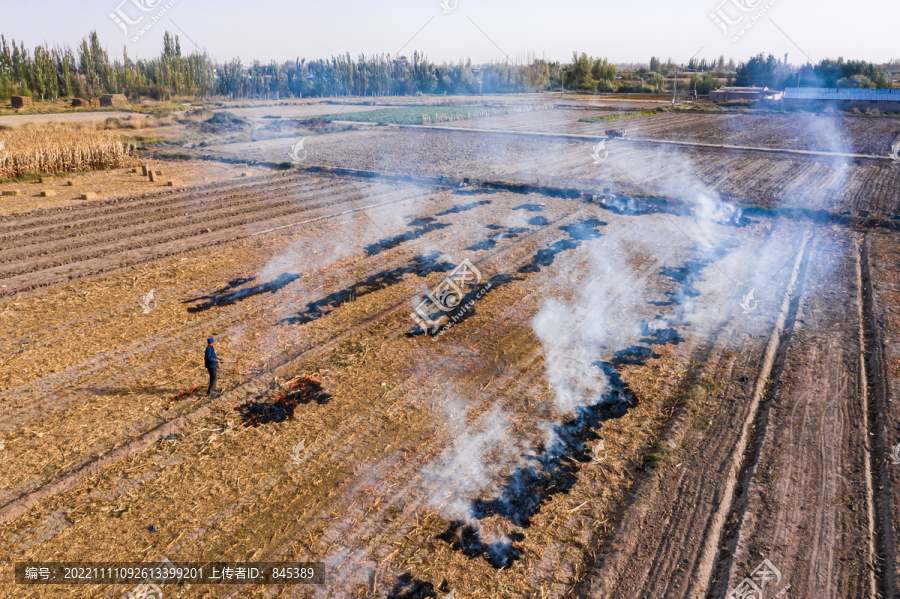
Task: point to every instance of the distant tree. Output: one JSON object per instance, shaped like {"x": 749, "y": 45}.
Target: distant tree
{"x": 763, "y": 71}
{"x": 657, "y": 82}
{"x": 606, "y": 86}
{"x": 579, "y": 75}
{"x": 830, "y": 73}
{"x": 859, "y": 81}
{"x": 703, "y": 84}
{"x": 603, "y": 69}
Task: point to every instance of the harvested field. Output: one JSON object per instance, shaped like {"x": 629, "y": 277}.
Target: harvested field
{"x": 752, "y": 178}
{"x": 644, "y": 394}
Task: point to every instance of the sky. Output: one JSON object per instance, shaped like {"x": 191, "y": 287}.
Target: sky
{"x": 624, "y": 31}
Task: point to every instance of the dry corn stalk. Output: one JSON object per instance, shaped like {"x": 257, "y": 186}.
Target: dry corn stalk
{"x": 57, "y": 148}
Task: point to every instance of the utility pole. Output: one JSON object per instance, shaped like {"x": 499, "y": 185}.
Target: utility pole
{"x": 674, "y": 86}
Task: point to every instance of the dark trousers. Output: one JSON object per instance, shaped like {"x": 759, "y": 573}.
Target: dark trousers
{"x": 213, "y": 374}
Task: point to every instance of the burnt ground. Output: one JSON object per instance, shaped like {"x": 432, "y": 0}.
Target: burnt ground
{"x": 599, "y": 417}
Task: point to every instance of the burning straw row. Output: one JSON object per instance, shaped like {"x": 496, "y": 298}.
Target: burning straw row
{"x": 62, "y": 149}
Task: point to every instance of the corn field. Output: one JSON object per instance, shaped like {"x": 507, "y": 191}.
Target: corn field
{"x": 62, "y": 149}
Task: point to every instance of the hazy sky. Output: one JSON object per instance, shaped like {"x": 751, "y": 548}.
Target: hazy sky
{"x": 625, "y": 31}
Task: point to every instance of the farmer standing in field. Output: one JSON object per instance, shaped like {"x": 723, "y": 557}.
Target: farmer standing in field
{"x": 212, "y": 365}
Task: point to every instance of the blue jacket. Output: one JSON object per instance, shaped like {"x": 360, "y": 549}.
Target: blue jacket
{"x": 210, "y": 358}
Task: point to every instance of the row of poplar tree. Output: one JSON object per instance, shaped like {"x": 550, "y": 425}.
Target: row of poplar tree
{"x": 87, "y": 71}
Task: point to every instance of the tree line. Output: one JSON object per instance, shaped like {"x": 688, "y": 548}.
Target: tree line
{"x": 87, "y": 71}
{"x": 768, "y": 71}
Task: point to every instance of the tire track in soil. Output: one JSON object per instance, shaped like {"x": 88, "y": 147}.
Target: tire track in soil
{"x": 804, "y": 527}
{"x": 686, "y": 508}
{"x": 880, "y": 413}
{"x": 744, "y": 458}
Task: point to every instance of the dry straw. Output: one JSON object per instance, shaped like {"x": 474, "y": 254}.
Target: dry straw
{"x": 62, "y": 149}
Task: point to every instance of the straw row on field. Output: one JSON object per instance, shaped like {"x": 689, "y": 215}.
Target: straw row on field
{"x": 62, "y": 149}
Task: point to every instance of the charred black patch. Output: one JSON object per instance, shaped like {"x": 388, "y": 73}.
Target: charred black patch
{"x": 463, "y": 208}
{"x": 530, "y": 207}
{"x": 578, "y": 232}
{"x": 538, "y": 221}
{"x": 282, "y": 406}
{"x": 584, "y": 230}
{"x": 686, "y": 276}
{"x": 530, "y": 486}
{"x": 408, "y": 587}
{"x": 491, "y": 242}
{"x": 283, "y": 280}
{"x": 421, "y": 265}
{"x": 465, "y": 538}
{"x": 546, "y": 256}
{"x": 628, "y": 206}
{"x": 235, "y": 283}
{"x": 660, "y": 335}
{"x": 424, "y": 226}
{"x": 633, "y": 356}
